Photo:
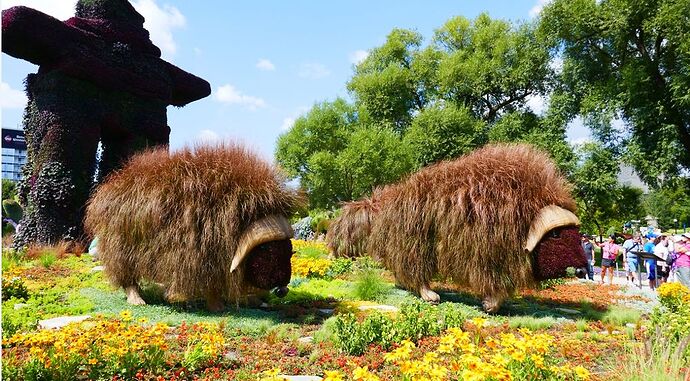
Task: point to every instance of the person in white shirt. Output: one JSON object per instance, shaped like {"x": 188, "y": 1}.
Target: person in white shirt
{"x": 661, "y": 250}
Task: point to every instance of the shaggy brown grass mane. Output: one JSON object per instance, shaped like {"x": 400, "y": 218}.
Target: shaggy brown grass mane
{"x": 175, "y": 218}
{"x": 465, "y": 219}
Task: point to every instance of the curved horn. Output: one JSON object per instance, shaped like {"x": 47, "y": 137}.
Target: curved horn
{"x": 549, "y": 217}
{"x": 271, "y": 228}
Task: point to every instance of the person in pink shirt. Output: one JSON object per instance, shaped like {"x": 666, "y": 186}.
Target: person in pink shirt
{"x": 682, "y": 262}
{"x": 609, "y": 252}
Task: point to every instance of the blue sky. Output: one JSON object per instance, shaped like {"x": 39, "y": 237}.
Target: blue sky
{"x": 267, "y": 62}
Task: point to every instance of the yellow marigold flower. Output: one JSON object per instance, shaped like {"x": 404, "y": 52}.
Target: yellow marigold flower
{"x": 581, "y": 372}
{"x": 472, "y": 375}
{"x": 364, "y": 374}
{"x": 430, "y": 357}
{"x": 93, "y": 361}
{"x": 410, "y": 368}
{"x": 126, "y": 315}
{"x": 538, "y": 361}
{"x": 458, "y": 334}
{"x": 271, "y": 373}
{"x": 479, "y": 322}
{"x": 518, "y": 356}
{"x": 491, "y": 343}
{"x": 468, "y": 347}
{"x": 332, "y": 375}
{"x": 499, "y": 360}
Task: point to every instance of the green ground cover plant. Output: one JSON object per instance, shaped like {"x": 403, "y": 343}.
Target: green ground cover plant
{"x": 258, "y": 339}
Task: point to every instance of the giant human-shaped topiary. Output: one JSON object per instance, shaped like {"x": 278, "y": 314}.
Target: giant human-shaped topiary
{"x": 100, "y": 79}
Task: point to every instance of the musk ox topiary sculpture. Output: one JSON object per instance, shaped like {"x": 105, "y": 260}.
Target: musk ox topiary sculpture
{"x": 208, "y": 222}
{"x": 498, "y": 219}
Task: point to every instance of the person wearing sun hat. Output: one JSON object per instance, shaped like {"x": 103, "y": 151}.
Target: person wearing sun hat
{"x": 682, "y": 262}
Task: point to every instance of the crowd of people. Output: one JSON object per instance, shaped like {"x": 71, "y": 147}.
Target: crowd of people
{"x": 665, "y": 258}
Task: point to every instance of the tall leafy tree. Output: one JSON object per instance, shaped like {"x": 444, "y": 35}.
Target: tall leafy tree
{"x": 468, "y": 86}
{"x": 337, "y": 158}
{"x": 439, "y": 133}
{"x": 628, "y": 59}
{"x": 602, "y": 201}
{"x": 670, "y": 202}
{"x": 490, "y": 66}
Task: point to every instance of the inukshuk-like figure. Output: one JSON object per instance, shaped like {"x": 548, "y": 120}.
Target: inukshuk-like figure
{"x": 100, "y": 79}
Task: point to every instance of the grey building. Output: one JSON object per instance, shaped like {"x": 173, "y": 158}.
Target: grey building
{"x": 13, "y": 153}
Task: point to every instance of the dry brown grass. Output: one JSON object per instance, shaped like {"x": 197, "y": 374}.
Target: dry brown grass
{"x": 176, "y": 218}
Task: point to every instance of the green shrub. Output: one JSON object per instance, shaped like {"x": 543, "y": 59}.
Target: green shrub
{"x": 9, "y": 189}
{"x": 320, "y": 221}
{"x": 414, "y": 321}
{"x": 621, "y": 316}
{"x": 47, "y": 259}
{"x": 327, "y": 330}
{"x": 570, "y": 272}
{"x": 339, "y": 266}
{"x": 14, "y": 320}
{"x": 12, "y": 257}
{"x": 551, "y": 283}
{"x": 14, "y": 288}
{"x": 369, "y": 285}
{"x": 671, "y": 320}
{"x": 12, "y": 209}
{"x": 531, "y": 323}
{"x": 7, "y": 229}
{"x": 659, "y": 359}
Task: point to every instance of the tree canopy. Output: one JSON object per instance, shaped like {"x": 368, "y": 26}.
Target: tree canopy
{"x": 414, "y": 105}
{"x": 602, "y": 201}
{"x": 629, "y": 60}
{"x": 337, "y": 158}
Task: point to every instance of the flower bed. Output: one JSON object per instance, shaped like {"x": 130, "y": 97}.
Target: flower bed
{"x": 320, "y": 329}
{"x": 111, "y": 348}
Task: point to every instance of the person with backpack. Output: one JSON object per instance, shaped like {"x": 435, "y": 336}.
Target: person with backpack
{"x": 629, "y": 246}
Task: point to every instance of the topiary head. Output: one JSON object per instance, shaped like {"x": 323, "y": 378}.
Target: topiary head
{"x": 555, "y": 245}
{"x": 268, "y": 266}
{"x": 265, "y": 250}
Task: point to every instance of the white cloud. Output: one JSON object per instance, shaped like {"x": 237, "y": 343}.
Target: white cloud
{"x": 208, "y": 136}
{"x": 11, "y": 98}
{"x": 61, "y": 10}
{"x": 358, "y": 56}
{"x": 556, "y": 65}
{"x": 536, "y": 9}
{"x": 313, "y": 71}
{"x": 160, "y": 22}
{"x": 265, "y": 65}
{"x": 287, "y": 123}
{"x": 228, "y": 94}
{"x": 578, "y": 133}
{"x": 537, "y": 103}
